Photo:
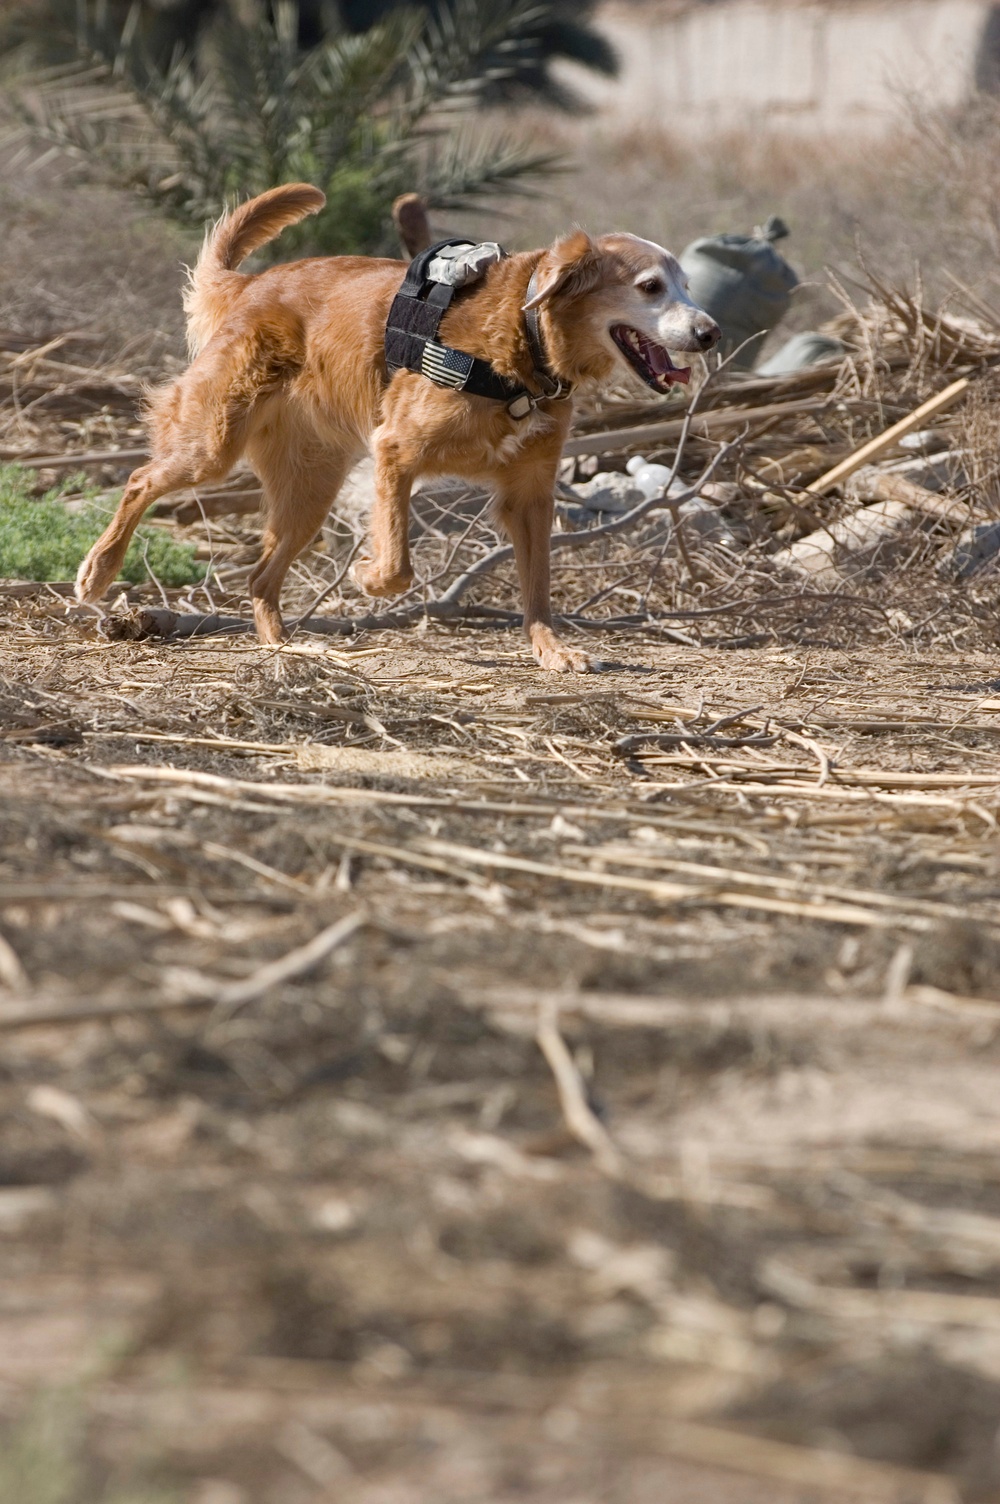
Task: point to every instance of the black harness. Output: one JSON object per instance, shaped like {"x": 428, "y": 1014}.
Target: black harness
{"x": 411, "y": 342}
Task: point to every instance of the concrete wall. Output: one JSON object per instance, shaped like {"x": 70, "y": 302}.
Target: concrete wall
{"x": 844, "y": 68}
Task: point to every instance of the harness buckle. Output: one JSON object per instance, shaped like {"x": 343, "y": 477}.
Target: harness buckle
{"x": 552, "y": 387}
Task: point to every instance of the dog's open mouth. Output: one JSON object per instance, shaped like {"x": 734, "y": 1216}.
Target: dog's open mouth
{"x": 648, "y": 359}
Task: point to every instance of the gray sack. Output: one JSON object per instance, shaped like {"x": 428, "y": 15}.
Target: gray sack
{"x": 744, "y": 283}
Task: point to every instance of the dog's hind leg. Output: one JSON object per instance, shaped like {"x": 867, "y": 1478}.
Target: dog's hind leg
{"x": 145, "y": 485}
{"x": 199, "y": 430}
{"x": 301, "y": 480}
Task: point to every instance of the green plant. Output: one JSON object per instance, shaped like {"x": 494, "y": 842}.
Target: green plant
{"x": 364, "y": 116}
{"x": 38, "y": 1457}
{"x": 41, "y": 539}
{"x": 43, "y": 1459}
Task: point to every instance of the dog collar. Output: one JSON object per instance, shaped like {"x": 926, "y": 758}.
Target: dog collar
{"x": 411, "y": 342}
{"x": 550, "y": 384}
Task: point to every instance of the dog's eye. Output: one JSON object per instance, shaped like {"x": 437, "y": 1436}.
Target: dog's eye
{"x": 651, "y": 286}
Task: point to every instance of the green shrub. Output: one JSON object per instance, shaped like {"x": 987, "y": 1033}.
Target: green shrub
{"x": 41, "y": 539}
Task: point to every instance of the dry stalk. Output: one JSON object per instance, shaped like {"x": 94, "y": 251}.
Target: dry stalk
{"x": 580, "y": 1117}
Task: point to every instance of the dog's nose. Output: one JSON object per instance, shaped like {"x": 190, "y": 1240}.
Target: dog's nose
{"x": 706, "y": 331}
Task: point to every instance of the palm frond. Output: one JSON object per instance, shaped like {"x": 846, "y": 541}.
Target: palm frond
{"x": 469, "y": 45}
{"x": 469, "y": 167}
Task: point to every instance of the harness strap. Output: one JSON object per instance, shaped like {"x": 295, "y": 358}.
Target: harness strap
{"x": 411, "y": 342}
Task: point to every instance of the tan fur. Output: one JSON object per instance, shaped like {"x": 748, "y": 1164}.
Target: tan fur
{"x": 290, "y": 372}
{"x": 212, "y": 289}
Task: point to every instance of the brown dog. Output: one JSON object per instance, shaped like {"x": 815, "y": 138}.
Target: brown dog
{"x": 290, "y": 371}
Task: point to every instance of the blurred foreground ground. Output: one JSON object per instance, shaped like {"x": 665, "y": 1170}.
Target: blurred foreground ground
{"x": 336, "y": 1237}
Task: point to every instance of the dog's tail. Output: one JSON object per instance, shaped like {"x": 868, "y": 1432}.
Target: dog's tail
{"x": 213, "y": 283}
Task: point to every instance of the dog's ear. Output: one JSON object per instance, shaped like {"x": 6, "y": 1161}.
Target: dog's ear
{"x": 572, "y": 265}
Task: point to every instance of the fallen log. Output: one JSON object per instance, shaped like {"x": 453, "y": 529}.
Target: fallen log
{"x": 852, "y": 544}
{"x": 884, "y": 485}
{"x": 703, "y": 426}
{"x": 823, "y": 554}
{"x": 81, "y": 459}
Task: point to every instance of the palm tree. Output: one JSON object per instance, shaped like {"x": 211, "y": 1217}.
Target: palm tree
{"x": 562, "y": 29}
{"x": 364, "y": 116}
{"x": 557, "y": 29}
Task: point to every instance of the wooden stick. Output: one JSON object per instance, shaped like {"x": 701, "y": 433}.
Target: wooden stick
{"x": 790, "y": 1014}
{"x": 870, "y": 898}
{"x": 228, "y": 996}
{"x": 741, "y": 389}
{"x": 693, "y": 895}
{"x": 580, "y": 1118}
{"x": 706, "y": 423}
{"x": 53, "y": 1016}
{"x": 870, "y": 451}
{"x": 952, "y": 1002}
{"x": 83, "y": 458}
{"x": 840, "y": 776}
{"x": 808, "y": 1468}
{"x": 883, "y": 485}
{"x": 15, "y": 892}
{"x": 235, "y": 994}
{"x": 230, "y": 743}
{"x": 796, "y": 790}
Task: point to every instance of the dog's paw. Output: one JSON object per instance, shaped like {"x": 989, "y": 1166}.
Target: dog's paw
{"x": 95, "y": 574}
{"x": 557, "y": 658}
{"x": 369, "y": 578}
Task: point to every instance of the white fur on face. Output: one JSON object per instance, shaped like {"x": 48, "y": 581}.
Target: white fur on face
{"x": 669, "y": 316}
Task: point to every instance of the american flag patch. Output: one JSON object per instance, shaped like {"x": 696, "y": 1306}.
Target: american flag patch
{"x": 446, "y": 367}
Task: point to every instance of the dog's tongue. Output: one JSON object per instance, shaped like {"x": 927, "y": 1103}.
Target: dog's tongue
{"x": 659, "y": 360}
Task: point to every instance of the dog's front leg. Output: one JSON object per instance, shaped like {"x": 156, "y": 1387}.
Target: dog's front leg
{"x": 388, "y": 571}
{"x": 525, "y": 511}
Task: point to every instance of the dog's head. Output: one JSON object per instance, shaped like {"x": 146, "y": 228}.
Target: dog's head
{"x": 624, "y": 297}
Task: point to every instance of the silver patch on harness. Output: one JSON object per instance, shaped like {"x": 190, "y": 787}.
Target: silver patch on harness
{"x": 446, "y": 367}
{"x": 458, "y": 265}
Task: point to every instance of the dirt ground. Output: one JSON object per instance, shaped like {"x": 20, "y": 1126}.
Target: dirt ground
{"x": 425, "y": 1081}
{"x": 632, "y": 1136}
